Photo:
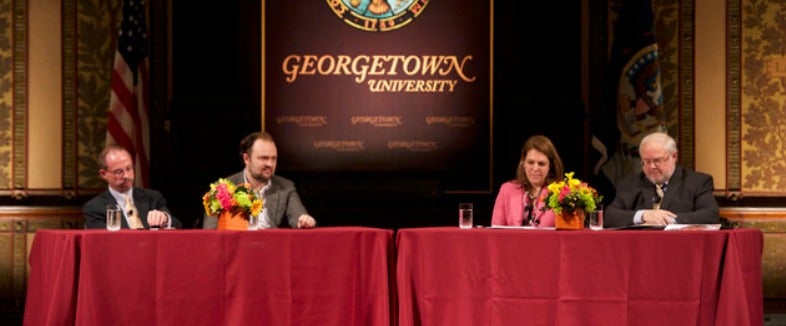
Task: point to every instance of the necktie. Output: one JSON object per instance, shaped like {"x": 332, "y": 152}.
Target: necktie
{"x": 133, "y": 215}
{"x": 659, "y": 199}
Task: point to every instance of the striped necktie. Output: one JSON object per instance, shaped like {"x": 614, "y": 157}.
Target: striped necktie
{"x": 133, "y": 215}
{"x": 659, "y": 199}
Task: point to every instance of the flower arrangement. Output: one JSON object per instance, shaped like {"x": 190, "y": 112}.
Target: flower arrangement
{"x": 224, "y": 195}
{"x": 571, "y": 194}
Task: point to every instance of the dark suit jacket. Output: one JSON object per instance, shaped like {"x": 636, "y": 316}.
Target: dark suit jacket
{"x": 145, "y": 200}
{"x": 281, "y": 201}
{"x": 688, "y": 194}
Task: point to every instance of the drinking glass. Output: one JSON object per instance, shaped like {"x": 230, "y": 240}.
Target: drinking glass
{"x": 253, "y": 222}
{"x": 596, "y": 219}
{"x": 113, "y": 216}
{"x": 465, "y": 215}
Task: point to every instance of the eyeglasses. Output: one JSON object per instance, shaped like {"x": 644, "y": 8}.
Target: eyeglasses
{"x": 121, "y": 172}
{"x": 657, "y": 161}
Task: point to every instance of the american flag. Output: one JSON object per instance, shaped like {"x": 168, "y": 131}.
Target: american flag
{"x": 128, "y": 123}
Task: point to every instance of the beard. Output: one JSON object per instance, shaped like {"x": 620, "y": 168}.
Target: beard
{"x": 262, "y": 176}
{"x": 659, "y": 179}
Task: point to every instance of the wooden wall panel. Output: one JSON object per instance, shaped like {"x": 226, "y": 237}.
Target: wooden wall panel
{"x": 17, "y": 231}
{"x": 757, "y": 94}
{"x": 6, "y": 95}
{"x": 772, "y": 221}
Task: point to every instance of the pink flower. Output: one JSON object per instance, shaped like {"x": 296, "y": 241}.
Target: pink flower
{"x": 563, "y": 193}
{"x": 224, "y": 195}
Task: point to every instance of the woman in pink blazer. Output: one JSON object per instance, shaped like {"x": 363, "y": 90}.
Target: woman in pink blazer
{"x": 521, "y": 201}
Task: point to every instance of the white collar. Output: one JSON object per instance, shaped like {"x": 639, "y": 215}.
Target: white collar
{"x": 121, "y": 197}
{"x": 264, "y": 188}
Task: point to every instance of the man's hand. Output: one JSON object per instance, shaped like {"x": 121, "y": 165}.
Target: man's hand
{"x": 306, "y": 222}
{"x": 658, "y": 217}
{"x": 157, "y": 218}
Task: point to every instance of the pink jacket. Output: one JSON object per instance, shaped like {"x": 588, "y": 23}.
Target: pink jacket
{"x": 509, "y": 207}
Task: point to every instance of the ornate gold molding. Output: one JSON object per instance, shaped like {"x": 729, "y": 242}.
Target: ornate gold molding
{"x": 733, "y": 107}
{"x": 687, "y": 92}
{"x": 6, "y": 94}
{"x": 19, "y": 156}
{"x": 70, "y": 117}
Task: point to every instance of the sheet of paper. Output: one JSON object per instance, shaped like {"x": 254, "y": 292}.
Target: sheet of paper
{"x": 692, "y": 227}
{"x": 520, "y": 227}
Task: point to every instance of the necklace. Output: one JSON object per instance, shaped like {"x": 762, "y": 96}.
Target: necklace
{"x": 529, "y": 210}
{"x": 533, "y": 194}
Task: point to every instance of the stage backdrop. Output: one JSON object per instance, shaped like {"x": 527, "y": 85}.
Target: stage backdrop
{"x": 381, "y": 86}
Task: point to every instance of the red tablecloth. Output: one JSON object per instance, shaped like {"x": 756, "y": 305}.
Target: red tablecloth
{"x": 449, "y": 276}
{"x": 326, "y": 276}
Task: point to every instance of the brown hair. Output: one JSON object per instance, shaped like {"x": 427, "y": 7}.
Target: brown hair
{"x": 247, "y": 142}
{"x": 544, "y": 145}
{"x": 111, "y": 148}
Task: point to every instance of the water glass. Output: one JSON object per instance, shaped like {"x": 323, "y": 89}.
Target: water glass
{"x": 596, "y": 219}
{"x": 465, "y": 215}
{"x": 113, "y": 217}
{"x": 253, "y": 222}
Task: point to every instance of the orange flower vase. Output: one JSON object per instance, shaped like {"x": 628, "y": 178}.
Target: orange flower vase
{"x": 570, "y": 221}
{"x": 229, "y": 220}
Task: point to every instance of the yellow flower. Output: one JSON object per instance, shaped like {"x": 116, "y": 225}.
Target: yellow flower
{"x": 206, "y": 201}
{"x": 573, "y": 183}
{"x": 571, "y": 194}
{"x": 256, "y": 207}
{"x": 555, "y": 187}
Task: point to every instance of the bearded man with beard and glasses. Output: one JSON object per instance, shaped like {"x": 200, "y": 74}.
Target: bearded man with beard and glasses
{"x": 282, "y": 206}
{"x": 663, "y": 192}
{"x": 142, "y": 208}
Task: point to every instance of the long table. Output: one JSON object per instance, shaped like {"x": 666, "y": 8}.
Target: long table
{"x": 449, "y": 276}
{"x": 324, "y": 276}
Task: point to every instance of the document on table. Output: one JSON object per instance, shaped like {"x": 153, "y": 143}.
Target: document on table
{"x": 638, "y": 227}
{"x": 692, "y": 227}
{"x": 520, "y": 227}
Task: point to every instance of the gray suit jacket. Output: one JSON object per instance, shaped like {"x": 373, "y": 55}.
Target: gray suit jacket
{"x": 689, "y": 195}
{"x": 281, "y": 201}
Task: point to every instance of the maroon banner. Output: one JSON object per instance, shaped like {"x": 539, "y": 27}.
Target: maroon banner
{"x": 378, "y": 86}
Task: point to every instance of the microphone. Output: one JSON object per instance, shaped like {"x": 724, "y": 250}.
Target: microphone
{"x": 528, "y": 215}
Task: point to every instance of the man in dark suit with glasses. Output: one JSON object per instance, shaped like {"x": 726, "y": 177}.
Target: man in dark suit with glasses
{"x": 142, "y": 208}
{"x": 663, "y": 192}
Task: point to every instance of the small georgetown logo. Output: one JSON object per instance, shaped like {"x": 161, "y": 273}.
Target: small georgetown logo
{"x": 377, "y": 15}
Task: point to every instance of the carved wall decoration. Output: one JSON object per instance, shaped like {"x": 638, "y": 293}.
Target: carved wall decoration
{"x": 88, "y": 29}
{"x": 13, "y": 99}
{"x": 761, "y": 109}
{"x": 96, "y": 21}
{"x": 674, "y": 29}
{"x": 684, "y": 36}
{"x": 6, "y": 93}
